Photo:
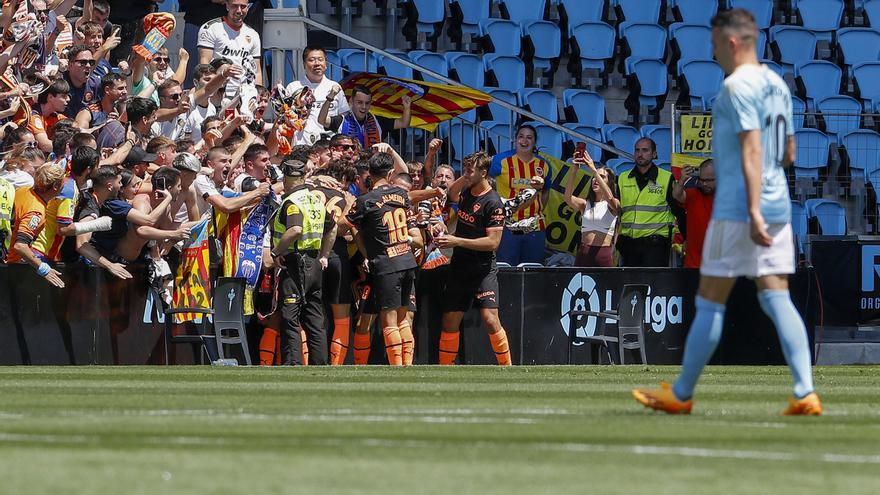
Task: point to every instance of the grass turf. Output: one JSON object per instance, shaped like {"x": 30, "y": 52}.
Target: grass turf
{"x": 530, "y": 430}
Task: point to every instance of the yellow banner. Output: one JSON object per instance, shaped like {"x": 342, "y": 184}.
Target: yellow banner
{"x": 696, "y": 133}
{"x": 563, "y": 225}
{"x": 680, "y": 160}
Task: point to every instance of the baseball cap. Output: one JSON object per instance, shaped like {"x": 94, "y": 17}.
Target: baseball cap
{"x": 188, "y": 162}
{"x": 138, "y": 155}
{"x": 294, "y": 168}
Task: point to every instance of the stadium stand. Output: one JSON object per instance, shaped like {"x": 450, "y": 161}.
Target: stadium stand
{"x": 690, "y": 42}
{"x": 541, "y": 102}
{"x": 432, "y": 61}
{"x": 549, "y": 139}
{"x": 792, "y": 45}
{"x": 466, "y": 69}
{"x": 496, "y": 111}
{"x": 592, "y": 48}
{"x": 584, "y": 107}
{"x": 830, "y": 214}
{"x": 594, "y": 150}
{"x": 702, "y": 80}
{"x": 507, "y": 71}
{"x": 866, "y": 78}
{"x": 521, "y": 10}
{"x": 501, "y": 37}
{"x": 821, "y": 17}
{"x": 816, "y": 80}
{"x": 762, "y": 10}
{"x": 662, "y": 136}
{"x": 839, "y": 115}
{"x": 694, "y": 11}
{"x": 638, "y": 10}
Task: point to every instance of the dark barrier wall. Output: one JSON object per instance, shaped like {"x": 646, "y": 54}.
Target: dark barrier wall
{"x": 848, "y": 270}
{"x": 97, "y": 319}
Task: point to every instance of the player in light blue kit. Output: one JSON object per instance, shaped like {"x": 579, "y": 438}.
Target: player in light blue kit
{"x": 750, "y": 233}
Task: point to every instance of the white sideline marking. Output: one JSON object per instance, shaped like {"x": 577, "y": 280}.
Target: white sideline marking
{"x": 652, "y": 450}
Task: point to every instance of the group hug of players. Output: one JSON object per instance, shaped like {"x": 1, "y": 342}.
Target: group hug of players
{"x": 313, "y": 237}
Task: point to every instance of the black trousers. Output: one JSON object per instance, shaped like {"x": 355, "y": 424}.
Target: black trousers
{"x": 301, "y": 304}
{"x": 644, "y": 251}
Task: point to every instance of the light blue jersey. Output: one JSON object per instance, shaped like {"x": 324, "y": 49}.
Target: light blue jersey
{"x": 752, "y": 98}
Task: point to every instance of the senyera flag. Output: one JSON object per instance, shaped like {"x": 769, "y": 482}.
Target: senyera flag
{"x": 432, "y": 103}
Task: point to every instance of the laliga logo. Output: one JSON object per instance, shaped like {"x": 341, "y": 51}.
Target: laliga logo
{"x": 580, "y": 295}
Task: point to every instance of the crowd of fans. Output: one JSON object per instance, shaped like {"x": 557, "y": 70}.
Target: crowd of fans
{"x": 109, "y": 160}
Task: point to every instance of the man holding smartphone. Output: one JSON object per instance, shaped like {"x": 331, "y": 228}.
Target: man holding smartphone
{"x": 695, "y": 190}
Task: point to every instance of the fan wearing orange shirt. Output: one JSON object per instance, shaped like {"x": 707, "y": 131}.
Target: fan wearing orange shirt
{"x": 50, "y": 108}
{"x": 30, "y": 216}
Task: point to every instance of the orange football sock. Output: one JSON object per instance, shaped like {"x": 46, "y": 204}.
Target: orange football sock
{"x": 305, "y": 347}
{"x": 361, "y": 348}
{"x": 448, "y": 347}
{"x": 409, "y": 344}
{"x": 339, "y": 345}
{"x": 393, "y": 345}
{"x": 267, "y": 346}
{"x": 499, "y": 345}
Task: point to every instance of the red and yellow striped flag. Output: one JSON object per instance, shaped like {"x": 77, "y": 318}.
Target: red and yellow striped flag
{"x": 432, "y": 103}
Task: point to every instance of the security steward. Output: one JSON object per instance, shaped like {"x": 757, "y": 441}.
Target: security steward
{"x": 648, "y": 210}
{"x": 7, "y": 198}
{"x": 302, "y": 237}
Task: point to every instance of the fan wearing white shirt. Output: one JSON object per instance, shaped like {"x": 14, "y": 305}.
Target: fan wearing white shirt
{"x": 314, "y": 65}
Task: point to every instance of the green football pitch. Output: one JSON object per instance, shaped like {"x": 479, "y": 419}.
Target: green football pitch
{"x": 481, "y": 430}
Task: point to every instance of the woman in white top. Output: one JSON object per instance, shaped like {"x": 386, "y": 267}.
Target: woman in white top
{"x": 599, "y": 213}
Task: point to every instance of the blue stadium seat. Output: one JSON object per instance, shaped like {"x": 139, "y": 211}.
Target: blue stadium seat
{"x": 584, "y": 107}
{"x": 467, "y": 14}
{"x": 867, "y": 83}
{"x": 546, "y": 40}
{"x": 857, "y": 45}
{"x": 540, "y": 102}
{"x": 638, "y": 10}
{"x": 430, "y": 60}
{"x": 594, "y": 150}
{"x": 467, "y": 68}
{"x": 792, "y": 45}
{"x": 667, "y": 166}
{"x": 334, "y": 66}
{"x": 761, "y": 9}
{"x": 831, "y": 215}
{"x": 691, "y": 41}
{"x": 841, "y": 114}
{"x": 549, "y": 140}
{"x": 623, "y": 137}
{"x": 821, "y": 16}
{"x": 798, "y": 108}
{"x": 510, "y": 72}
{"x": 648, "y": 84}
{"x": 799, "y": 224}
{"x": 424, "y": 16}
{"x": 695, "y": 11}
{"x": 662, "y": 136}
{"x": 872, "y": 12}
{"x": 774, "y": 67}
{"x": 503, "y": 36}
{"x": 499, "y": 113}
{"x": 593, "y": 43}
{"x": 395, "y": 69}
{"x": 643, "y": 40}
{"x": 353, "y": 60}
{"x": 620, "y": 165}
{"x": 817, "y": 79}
{"x": 702, "y": 80}
{"x": 761, "y": 44}
{"x": 861, "y": 151}
{"x": 812, "y": 152}
{"x": 465, "y": 138}
{"x": 497, "y": 133}
{"x": 575, "y": 12}
{"x": 521, "y": 10}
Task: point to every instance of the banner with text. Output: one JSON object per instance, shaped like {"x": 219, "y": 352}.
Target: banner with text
{"x": 696, "y": 134}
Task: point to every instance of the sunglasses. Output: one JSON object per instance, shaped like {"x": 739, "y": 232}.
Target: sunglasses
{"x": 346, "y": 147}
{"x": 174, "y": 97}
{"x": 43, "y": 12}
{"x": 86, "y": 63}
{"x": 162, "y": 59}
{"x": 29, "y": 144}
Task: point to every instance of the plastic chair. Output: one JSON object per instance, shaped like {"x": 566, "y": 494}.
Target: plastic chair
{"x": 510, "y": 72}
{"x": 424, "y": 16}
{"x": 546, "y": 42}
{"x": 792, "y": 45}
{"x": 840, "y": 114}
{"x": 594, "y": 150}
{"x": 857, "y": 45}
{"x": 498, "y": 112}
{"x": 662, "y": 136}
{"x": 623, "y": 137}
{"x": 467, "y": 14}
{"x": 620, "y": 165}
{"x": 695, "y": 11}
{"x": 702, "y": 79}
{"x": 648, "y": 82}
{"x": 862, "y": 154}
{"x": 549, "y": 140}
{"x": 228, "y": 315}
{"x": 202, "y": 338}
{"x": 866, "y": 77}
{"x": 691, "y": 41}
{"x": 830, "y": 214}
{"x": 393, "y": 68}
{"x": 821, "y": 16}
{"x": 798, "y": 108}
{"x": 584, "y": 107}
{"x": 817, "y": 79}
{"x": 629, "y": 315}
{"x": 497, "y": 133}
{"x": 503, "y": 35}
{"x": 520, "y": 10}
{"x": 799, "y": 224}
{"x": 574, "y": 12}
{"x": 466, "y": 68}
{"x": 761, "y": 9}
{"x": 540, "y": 102}
{"x": 812, "y": 151}
{"x": 638, "y": 10}
{"x": 592, "y": 46}
{"x": 643, "y": 40}
{"x": 872, "y": 12}
{"x": 353, "y": 60}
{"x": 774, "y": 67}
{"x": 432, "y": 61}
{"x": 463, "y": 140}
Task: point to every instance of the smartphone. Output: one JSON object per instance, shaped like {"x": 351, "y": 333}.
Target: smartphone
{"x": 691, "y": 182}
{"x": 230, "y": 113}
{"x": 160, "y": 183}
{"x": 116, "y": 27}
{"x": 581, "y": 148}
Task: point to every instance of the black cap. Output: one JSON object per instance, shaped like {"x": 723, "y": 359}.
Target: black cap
{"x": 138, "y": 155}
{"x": 293, "y": 168}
